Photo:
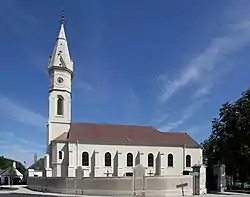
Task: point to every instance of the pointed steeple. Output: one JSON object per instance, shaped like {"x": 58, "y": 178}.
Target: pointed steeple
{"x": 60, "y": 57}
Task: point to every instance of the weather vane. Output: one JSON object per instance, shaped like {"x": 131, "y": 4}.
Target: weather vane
{"x": 62, "y": 21}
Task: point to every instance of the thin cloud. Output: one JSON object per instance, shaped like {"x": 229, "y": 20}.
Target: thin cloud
{"x": 201, "y": 92}
{"x": 162, "y": 118}
{"x": 84, "y": 85}
{"x": 20, "y": 149}
{"x": 207, "y": 62}
{"x": 202, "y": 131}
{"x": 31, "y": 144}
{"x": 20, "y": 113}
{"x": 187, "y": 113}
{"x": 200, "y": 128}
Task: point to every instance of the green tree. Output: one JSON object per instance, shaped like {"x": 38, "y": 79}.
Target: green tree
{"x": 229, "y": 142}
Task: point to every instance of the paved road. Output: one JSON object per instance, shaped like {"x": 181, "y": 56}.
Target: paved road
{"x": 23, "y": 195}
{"x": 37, "y": 195}
{"x": 23, "y": 192}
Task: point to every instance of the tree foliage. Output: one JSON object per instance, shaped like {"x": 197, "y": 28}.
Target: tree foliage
{"x": 229, "y": 142}
{"x": 7, "y": 163}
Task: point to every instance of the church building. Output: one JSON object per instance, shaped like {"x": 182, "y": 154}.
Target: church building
{"x": 105, "y": 149}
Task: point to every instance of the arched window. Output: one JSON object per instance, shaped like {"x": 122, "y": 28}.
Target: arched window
{"x": 107, "y": 159}
{"x": 170, "y": 160}
{"x": 129, "y": 159}
{"x": 188, "y": 161}
{"x": 150, "y": 160}
{"x": 60, "y": 154}
{"x": 60, "y": 101}
{"x": 85, "y": 159}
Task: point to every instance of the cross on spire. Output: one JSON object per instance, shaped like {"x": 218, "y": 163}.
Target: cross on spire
{"x": 62, "y": 21}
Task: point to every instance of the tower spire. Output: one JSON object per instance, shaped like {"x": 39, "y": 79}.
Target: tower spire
{"x": 60, "y": 56}
{"x": 60, "y": 69}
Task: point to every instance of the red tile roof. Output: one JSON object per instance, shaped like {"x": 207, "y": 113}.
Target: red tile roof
{"x": 62, "y": 137}
{"x": 93, "y": 133}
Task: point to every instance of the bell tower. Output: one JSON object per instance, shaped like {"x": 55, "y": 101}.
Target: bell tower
{"x": 60, "y": 69}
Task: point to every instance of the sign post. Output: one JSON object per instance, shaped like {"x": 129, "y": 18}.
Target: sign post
{"x": 182, "y": 185}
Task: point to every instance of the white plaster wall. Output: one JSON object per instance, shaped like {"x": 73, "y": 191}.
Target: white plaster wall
{"x": 55, "y": 130}
{"x": 38, "y": 173}
{"x": 100, "y": 169}
{"x": 66, "y": 85}
{"x": 53, "y": 117}
{"x": 59, "y": 166}
{"x": 55, "y": 152}
{"x": 196, "y": 156}
{"x": 58, "y": 124}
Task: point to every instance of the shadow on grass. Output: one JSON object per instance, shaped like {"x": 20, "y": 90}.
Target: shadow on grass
{"x": 219, "y": 193}
{"x": 239, "y": 191}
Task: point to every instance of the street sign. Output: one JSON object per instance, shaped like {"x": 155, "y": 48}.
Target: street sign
{"x": 194, "y": 173}
{"x": 182, "y": 185}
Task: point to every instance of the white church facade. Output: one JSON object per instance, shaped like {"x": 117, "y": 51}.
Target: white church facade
{"x": 104, "y": 149}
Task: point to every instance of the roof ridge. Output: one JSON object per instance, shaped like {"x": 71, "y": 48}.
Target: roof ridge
{"x": 180, "y": 132}
{"x": 112, "y": 124}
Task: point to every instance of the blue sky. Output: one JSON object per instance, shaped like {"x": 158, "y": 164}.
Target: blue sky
{"x": 169, "y": 64}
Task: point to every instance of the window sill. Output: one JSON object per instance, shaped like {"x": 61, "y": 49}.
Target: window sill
{"x": 109, "y": 167}
{"x": 59, "y": 116}
{"x": 85, "y": 167}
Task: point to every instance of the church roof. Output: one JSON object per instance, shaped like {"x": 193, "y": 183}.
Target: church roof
{"x": 93, "y": 133}
{"x": 38, "y": 165}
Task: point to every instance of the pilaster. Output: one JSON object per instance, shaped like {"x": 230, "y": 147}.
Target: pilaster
{"x": 120, "y": 164}
{"x": 72, "y": 160}
{"x": 97, "y": 164}
{"x": 163, "y": 163}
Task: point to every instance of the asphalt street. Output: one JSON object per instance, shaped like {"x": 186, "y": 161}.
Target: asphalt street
{"x": 37, "y": 195}
{"x": 25, "y": 195}
{"x": 22, "y": 191}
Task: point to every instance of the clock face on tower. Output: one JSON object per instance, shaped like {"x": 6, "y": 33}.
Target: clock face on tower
{"x": 59, "y": 80}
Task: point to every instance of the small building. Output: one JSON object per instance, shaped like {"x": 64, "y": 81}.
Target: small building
{"x": 11, "y": 176}
{"x": 36, "y": 169}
